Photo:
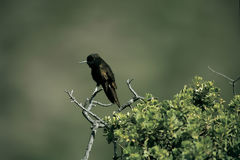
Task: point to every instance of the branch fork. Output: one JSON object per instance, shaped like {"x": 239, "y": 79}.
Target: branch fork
{"x": 231, "y": 81}
{"x": 95, "y": 120}
{"x": 133, "y": 99}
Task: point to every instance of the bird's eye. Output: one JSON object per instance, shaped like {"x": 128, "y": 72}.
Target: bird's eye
{"x": 89, "y": 58}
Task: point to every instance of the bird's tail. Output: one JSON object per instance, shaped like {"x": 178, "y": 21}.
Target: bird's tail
{"x": 116, "y": 101}
{"x": 111, "y": 93}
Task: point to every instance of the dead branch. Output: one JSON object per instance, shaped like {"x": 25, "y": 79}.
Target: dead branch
{"x": 133, "y": 99}
{"x": 91, "y": 140}
{"x": 73, "y": 99}
{"x": 96, "y": 121}
{"x": 232, "y": 81}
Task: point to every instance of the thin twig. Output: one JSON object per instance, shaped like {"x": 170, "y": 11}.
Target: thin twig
{"x": 73, "y": 99}
{"x": 232, "y": 81}
{"x": 98, "y": 122}
{"x": 233, "y": 84}
{"x": 132, "y": 100}
{"x": 237, "y": 79}
{"x": 223, "y": 75}
{"x": 90, "y": 104}
{"x": 95, "y": 92}
{"x": 101, "y": 104}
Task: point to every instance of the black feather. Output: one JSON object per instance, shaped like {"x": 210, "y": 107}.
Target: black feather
{"x": 103, "y": 75}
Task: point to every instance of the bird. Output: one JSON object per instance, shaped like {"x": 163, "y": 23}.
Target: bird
{"x": 102, "y": 74}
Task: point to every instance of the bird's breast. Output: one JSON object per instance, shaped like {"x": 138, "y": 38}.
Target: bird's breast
{"x": 96, "y": 75}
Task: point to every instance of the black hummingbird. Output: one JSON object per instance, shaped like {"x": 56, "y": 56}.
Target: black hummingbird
{"x": 103, "y": 75}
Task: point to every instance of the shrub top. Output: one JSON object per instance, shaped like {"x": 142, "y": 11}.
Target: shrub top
{"x": 195, "y": 124}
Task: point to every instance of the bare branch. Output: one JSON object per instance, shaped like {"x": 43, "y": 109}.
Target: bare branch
{"x": 73, "y": 99}
{"x": 132, "y": 90}
{"x": 95, "y": 92}
{"x": 89, "y": 101}
{"x": 101, "y": 104}
{"x": 232, "y": 82}
{"x": 237, "y": 79}
{"x": 223, "y": 75}
{"x": 96, "y": 121}
{"x": 91, "y": 140}
{"x": 132, "y": 100}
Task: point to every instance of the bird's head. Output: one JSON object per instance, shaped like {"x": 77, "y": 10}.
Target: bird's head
{"x": 93, "y": 60}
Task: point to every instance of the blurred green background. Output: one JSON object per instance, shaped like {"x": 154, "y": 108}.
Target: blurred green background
{"x": 161, "y": 44}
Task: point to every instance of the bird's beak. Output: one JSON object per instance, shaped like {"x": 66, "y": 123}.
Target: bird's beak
{"x": 82, "y": 62}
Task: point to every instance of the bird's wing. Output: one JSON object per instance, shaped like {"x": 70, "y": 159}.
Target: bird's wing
{"x": 108, "y": 75}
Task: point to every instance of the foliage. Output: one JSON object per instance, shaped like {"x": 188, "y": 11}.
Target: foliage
{"x": 195, "y": 124}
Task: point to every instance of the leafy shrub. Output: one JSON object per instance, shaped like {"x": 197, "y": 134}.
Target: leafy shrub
{"x": 195, "y": 124}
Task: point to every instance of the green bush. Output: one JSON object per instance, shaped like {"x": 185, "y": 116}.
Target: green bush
{"x": 195, "y": 124}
